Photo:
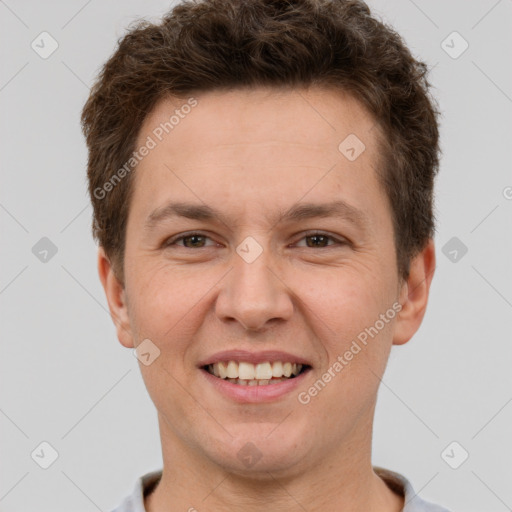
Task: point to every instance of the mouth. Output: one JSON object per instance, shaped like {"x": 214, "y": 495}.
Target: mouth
{"x": 248, "y": 377}
{"x": 265, "y": 373}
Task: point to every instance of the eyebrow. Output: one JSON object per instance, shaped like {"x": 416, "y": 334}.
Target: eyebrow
{"x": 302, "y": 211}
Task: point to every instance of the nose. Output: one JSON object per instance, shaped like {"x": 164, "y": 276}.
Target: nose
{"x": 254, "y": 294}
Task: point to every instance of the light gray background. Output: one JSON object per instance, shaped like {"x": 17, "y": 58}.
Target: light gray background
{"x": 64, "y": 377}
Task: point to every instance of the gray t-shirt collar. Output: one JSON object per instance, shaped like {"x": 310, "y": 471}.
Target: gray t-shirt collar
{"x": 395, "y": 481}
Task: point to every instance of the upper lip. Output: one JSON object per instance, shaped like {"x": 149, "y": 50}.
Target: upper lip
{"x": 253, "y": 357}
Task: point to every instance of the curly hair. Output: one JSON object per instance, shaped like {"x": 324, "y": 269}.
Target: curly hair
{"x": 207, "y": 45}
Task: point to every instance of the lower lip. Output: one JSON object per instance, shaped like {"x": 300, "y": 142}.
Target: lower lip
{"x": 255, "y": 394}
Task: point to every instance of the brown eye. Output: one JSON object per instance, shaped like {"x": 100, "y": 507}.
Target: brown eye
{"x": 193, "y": 241}
{"x": 318, "y": 240}
{"x": 189, "y": 241}
{"x": 321, "y": 240}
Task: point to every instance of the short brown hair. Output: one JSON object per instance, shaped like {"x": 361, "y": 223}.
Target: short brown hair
{"x": 206, "y": 45}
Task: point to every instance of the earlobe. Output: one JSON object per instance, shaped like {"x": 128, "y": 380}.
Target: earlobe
{"x": 116, "y": 298}
{"x": 414, "y": 295}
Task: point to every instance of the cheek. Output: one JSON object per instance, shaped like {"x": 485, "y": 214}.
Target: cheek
{"x": 345, "y": 317}
{"x": 168, "y": 303}
{"x": 343, "y": 311}
{"x": 342, "y": 301}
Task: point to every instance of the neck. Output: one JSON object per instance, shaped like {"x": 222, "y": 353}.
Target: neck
{"x": 344, "y": 481}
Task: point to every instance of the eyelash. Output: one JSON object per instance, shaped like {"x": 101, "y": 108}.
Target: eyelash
{"x": 173, "y": 241}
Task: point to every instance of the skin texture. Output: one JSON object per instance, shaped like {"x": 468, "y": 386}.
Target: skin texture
{"x": 253, "y": 154}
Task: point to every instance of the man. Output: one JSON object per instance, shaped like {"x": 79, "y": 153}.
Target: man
{"x": 262, "y": 178}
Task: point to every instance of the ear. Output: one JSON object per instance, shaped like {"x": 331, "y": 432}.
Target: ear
{"x": 414, "y": 294}
{"x": 116, "y": 297}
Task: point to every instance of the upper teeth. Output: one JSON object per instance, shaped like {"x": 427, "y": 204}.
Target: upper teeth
{"x": 249, "y": 371}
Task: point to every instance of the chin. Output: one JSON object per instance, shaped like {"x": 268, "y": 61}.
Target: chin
{"x": 259, "y": 449}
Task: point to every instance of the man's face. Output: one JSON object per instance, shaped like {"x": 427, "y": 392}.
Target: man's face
{"x": 257, "y": 286}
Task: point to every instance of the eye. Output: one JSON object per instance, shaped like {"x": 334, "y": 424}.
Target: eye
{"x": 196, "y": 240}
{"x": 190, "y": 241}
{"x": 319, "y": 239}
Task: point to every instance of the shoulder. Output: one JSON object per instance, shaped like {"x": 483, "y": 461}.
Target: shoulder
{"x": 135, "y": 501}
{"x": 399, "y": 484}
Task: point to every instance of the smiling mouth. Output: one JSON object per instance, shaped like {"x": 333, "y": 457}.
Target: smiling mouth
{"x": 261, "y": 374}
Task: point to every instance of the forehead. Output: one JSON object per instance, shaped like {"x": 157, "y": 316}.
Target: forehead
{"x": 258, "y": 146}
{"x": 320, "y": 117}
